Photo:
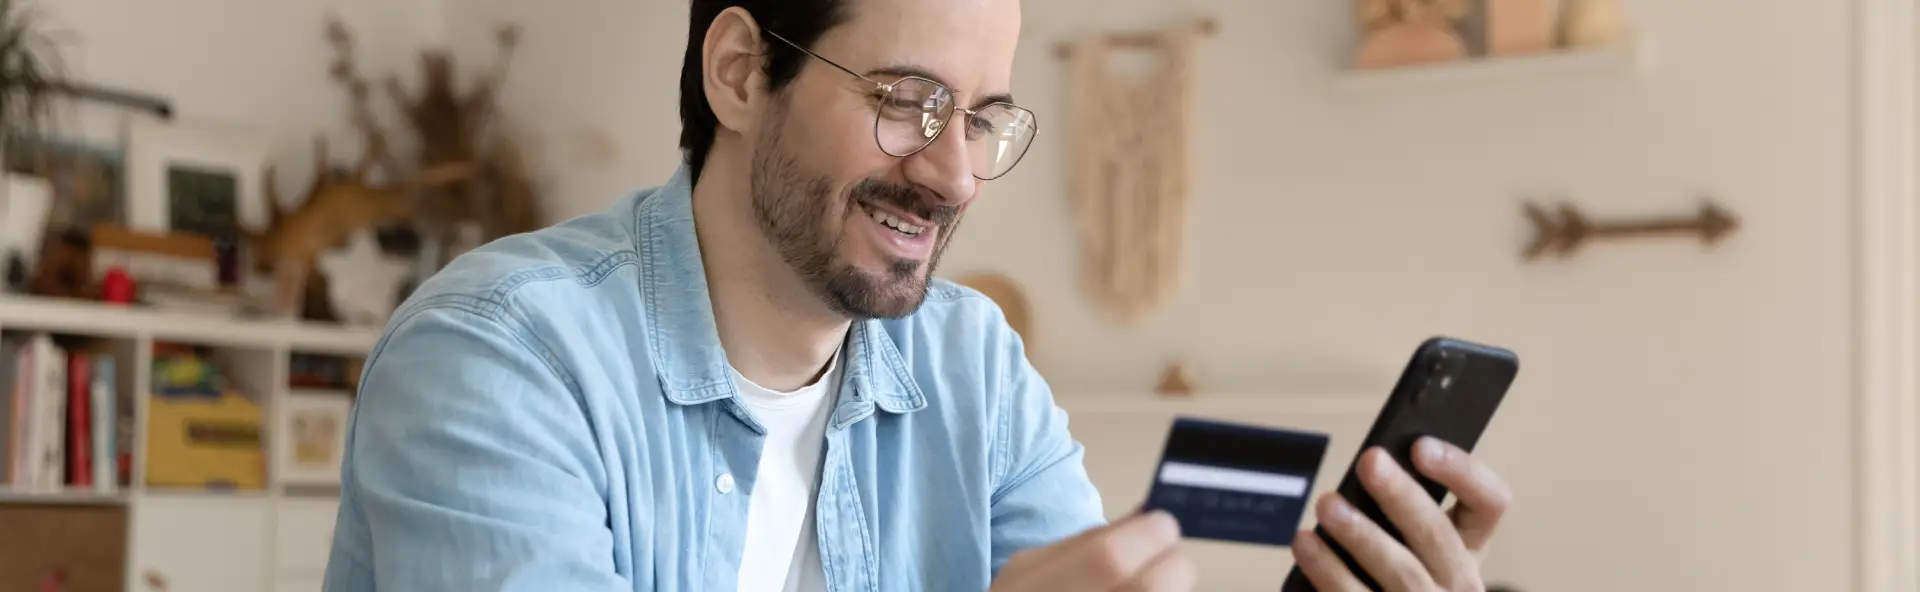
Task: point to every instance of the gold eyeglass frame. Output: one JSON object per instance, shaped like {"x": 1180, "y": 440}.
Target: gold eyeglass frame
{"x": 937, "y": 126}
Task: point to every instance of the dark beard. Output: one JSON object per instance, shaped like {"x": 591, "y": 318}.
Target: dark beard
{"x": 796, "y": 212}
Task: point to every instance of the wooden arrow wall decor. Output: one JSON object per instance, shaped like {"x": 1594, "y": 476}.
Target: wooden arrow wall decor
{"x": 1563, "y": 230}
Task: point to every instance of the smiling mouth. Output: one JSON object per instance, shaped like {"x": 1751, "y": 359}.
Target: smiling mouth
{"x": 892, "y": 222}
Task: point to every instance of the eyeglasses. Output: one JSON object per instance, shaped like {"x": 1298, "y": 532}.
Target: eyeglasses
{"x": 913, "y": 111}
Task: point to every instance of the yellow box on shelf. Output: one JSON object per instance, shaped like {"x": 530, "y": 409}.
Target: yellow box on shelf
{"x": 205, "y": 442}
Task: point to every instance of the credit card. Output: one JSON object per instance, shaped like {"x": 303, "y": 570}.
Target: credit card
{"x": 1236, "y": 482}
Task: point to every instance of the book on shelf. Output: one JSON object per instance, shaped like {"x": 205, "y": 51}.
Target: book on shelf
{"x": 62, "y": 422}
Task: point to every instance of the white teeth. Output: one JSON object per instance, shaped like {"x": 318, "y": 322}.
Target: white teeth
{"x": 895, "y": 223}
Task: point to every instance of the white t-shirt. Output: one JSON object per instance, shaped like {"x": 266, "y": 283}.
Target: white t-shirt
{"x": 783, "y": 551}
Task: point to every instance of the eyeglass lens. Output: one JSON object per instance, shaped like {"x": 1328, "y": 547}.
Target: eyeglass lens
{"x": 915, "y": 111}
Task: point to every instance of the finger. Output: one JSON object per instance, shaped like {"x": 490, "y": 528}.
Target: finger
{"x": 1321, "y": 566}
{"x": 1104, "y": 558}
{"x": 1483, "y": 495}
{"x": 1428, "y": 532}
{"x": 1085, "y": 538}
{"x": 1390, "y": 563}
{"x": 1172, "y": 570}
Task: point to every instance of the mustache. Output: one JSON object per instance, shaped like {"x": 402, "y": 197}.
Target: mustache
{"x": 910, "y": 199}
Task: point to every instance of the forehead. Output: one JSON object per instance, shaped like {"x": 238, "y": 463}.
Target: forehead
{"x": 967, "y": 44}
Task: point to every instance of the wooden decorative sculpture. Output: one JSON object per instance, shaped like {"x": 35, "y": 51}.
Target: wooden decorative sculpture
{"x": 1128, "y": 166}
{"x": 334, "y": 208}
{"x": 1401, "y": 33}
{"x": 1564, "y": 230}
{"x": 65, "y": 267}
{"x": 459, "y": 127}
{"x": 337, "y": 204}
{"x": 1175, "y": 381}
{"x": 1590, "y": 23}
{"x": 1519, "y": 26}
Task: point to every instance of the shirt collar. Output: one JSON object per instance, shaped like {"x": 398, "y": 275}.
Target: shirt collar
{"x": 685, "y": 344}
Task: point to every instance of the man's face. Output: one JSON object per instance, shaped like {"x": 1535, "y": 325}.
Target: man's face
{"x": 864, "y": 229}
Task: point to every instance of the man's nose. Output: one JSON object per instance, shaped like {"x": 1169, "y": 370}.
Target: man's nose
{"x": 943, "y": 166}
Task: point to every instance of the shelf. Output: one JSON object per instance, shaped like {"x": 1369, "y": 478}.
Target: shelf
{"x": 64, "y": 497}
{"x": 1632, "y": 54}
{"x": 200, "y": 493}
{"x": 297, "y": 491}
{"x": 106, "y": 320}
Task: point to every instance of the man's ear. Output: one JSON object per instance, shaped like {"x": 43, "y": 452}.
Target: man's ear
{"x": 730, "y": 68}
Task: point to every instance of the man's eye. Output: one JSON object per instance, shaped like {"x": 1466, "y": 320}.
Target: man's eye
{"x": 901, "y": 109}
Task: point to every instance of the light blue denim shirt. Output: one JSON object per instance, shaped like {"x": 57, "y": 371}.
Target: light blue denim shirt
{"x": 553, "y": 411}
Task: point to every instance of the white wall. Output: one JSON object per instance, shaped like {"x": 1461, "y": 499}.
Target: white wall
{"x": 592, "y": 93}
{"x": 260, "y": 65}
{"x": 1681, "y": 421}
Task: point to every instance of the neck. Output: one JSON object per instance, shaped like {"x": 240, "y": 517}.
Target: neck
{"x": 775, "y": 331}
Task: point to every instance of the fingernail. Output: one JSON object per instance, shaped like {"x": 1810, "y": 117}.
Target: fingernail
{"x": 1338, "y": 510}
{"x": 1432, "y": 450}
{"x": 1383, "y": 464}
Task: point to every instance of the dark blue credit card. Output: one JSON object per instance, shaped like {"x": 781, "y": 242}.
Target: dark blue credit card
{"x": 1236, "y": 482}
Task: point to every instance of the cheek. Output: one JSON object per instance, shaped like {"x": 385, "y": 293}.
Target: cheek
{"x": 837, "y": 141}
{"x": 852, "y": 152}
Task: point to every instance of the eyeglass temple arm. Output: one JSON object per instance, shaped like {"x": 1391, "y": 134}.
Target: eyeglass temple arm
{"x": 877, "y": 85}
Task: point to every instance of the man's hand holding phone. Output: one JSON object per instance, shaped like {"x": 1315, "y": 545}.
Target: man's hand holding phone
{"x": 1444, "y": 549}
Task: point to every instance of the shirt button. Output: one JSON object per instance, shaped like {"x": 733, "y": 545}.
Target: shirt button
{"x": 724, "y": 483}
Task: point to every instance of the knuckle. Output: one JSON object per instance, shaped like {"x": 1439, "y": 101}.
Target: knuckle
{"x": 1501, "y": 497}
{"x": 1361, "y": 543}
{"x": 1424, "y": 534}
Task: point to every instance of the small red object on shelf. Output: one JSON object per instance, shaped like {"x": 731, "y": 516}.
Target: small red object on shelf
{"x": 117, "y": 286}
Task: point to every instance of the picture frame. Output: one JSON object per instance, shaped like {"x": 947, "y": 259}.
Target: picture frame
{"x": 310, "y": 437}
{"x": 85, "y": 176}
{"x": 193, "y": 177}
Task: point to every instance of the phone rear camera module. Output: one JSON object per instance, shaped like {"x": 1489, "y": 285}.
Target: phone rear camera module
{"x": 1433, "y": 389}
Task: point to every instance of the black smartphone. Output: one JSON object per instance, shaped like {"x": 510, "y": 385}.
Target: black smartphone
{"x": 1449, "y": 390}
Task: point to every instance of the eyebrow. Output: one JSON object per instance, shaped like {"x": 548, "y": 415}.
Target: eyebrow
{"x": 908, "y": 70}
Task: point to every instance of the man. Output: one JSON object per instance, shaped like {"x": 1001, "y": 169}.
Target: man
{"x": 747, "y": 379}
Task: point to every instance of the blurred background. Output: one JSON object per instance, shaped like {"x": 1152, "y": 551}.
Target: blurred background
{"x": 1692, "y": 220}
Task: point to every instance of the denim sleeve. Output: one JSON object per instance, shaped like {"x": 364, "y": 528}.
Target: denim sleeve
{"x": 1043, "y": 493}
{"x": 472, "y": 460}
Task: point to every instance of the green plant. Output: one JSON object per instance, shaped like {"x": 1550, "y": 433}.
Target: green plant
{"x": 31, "y": 72}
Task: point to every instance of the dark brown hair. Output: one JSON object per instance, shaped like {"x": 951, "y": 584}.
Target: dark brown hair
{"x": 800, "y": 21}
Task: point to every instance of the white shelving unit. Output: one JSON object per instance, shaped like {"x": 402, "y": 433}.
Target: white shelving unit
{"x": 1633, "y": 54}
{"x": 203, "y": 540}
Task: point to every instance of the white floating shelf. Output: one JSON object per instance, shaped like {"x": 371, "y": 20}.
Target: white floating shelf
{"x": 1633, "y": 54}
{"x": 107, "y": 320}
{"x": 65, "y": 497}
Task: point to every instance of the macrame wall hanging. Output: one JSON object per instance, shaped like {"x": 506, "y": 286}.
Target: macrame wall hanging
{"x": 1128, "y": 177}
